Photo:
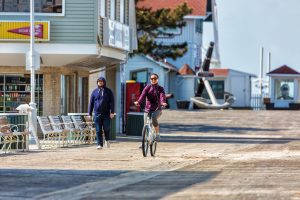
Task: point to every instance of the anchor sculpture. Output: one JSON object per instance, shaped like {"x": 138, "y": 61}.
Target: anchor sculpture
{"x": 203, "y": 73}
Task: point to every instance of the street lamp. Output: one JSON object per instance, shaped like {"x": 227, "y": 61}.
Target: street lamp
{"x": 33, "y": 113}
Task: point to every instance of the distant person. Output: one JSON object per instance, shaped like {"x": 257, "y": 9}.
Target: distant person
{"x": 102, "y": 103}
{"x": 285, "y": 92}
{"x": 155, "y": 97}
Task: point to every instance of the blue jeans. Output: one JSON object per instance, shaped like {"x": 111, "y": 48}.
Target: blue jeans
{"x": 102, "y": 121}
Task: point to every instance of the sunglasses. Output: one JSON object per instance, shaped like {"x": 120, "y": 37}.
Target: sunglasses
{"x": 153, "y": 78}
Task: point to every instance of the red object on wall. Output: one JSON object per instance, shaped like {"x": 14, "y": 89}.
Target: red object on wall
{"x": 132, "y": 95}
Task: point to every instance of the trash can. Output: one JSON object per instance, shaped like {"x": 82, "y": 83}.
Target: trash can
{"x": 270, "y": 106}
{"x": 134, "y": 123}
{"x": 182, "y": 104}
{"x": 112, "y": 134}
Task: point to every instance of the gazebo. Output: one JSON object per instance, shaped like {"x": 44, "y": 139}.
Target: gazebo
{"x": 284, "y": 88}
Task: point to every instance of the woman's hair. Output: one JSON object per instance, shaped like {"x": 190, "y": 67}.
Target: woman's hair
{"x": 155, "y": 75}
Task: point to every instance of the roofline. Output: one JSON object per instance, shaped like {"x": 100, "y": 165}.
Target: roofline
{"x": 194, "y": 17}
{"x": 252, "y": 75}
{"x": 160, "y": 63}
{"x": 282, "y": 75}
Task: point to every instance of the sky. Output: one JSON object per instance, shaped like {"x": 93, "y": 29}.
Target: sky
{"x": 247, "y": 25}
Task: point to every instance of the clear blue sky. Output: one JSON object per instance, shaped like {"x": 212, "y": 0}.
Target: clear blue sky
{"x": 246, "y": 25}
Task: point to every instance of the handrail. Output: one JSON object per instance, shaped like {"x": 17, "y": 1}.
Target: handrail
{"x": 12, "y": 114}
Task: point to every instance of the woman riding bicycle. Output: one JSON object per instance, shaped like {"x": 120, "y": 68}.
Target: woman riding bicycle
{"x": 155, "y": 99}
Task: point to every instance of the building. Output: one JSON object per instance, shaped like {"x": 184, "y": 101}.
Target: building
{"x": 231, "y": 81}
{"x": 192, "y": 33}
{"x": 139, "y": 68}
{"x": 76, "y": 40}
{"x": 285, "y": 88}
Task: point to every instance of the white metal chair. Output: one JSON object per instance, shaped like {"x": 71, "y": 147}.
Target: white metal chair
{"x": 59, "y": 127}
{"x": 74, "y": 133}
{"x": 91, "y": 125}
{"x": 10, "y": 134}
{"x": 82, "y": 126}
{"x": 51, "y": 136}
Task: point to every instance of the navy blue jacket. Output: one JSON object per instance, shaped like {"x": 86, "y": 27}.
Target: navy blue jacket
{"x": 102, "y": 104}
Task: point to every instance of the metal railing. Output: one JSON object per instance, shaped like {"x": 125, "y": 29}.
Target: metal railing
{"x": 257, "y": 101}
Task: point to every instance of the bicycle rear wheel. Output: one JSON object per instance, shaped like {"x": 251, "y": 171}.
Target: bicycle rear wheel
{"x": 153, "y": 147}
{"x": 145, "y": 141}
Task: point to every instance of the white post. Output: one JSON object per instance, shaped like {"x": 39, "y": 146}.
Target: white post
{"x": 216, "y": 33}
{"x": 261, "y": 70}
{"x": 261, "y": 76}
{"x": 33, "y": 113}
{"x": 269, "y": 78}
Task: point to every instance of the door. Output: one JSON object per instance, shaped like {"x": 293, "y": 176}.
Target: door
{"x": 238, "y": 84}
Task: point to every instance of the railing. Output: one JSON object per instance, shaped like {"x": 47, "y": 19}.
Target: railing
{"x": 257, "y": 101}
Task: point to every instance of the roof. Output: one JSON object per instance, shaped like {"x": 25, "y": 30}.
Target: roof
{"x": 199, "y": 6}
{"x": 186, "y": 70}
{"x": 284, "y": 70}
{"x": 224, "y": 72}
{"x": 220, "y": 72}
{"x": 165, "y": 65}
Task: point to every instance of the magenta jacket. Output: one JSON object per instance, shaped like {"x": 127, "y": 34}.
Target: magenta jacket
{"x": 154, "y": 95}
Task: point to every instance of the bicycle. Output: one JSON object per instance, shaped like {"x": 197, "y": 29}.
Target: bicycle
{"x": 149, "y": 138}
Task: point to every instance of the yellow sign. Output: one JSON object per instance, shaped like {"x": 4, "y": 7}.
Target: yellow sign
{"x": 20, "y": 30}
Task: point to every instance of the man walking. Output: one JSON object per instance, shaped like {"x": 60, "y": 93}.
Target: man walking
{"x": 102, "y": 102}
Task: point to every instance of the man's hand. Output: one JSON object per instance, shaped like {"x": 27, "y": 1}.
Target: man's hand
{"x": 112, "y": 115}
{"x": 136, "y": 103}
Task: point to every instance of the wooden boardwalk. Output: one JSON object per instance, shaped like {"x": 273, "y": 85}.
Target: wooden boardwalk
{"x": 205, "y": 154}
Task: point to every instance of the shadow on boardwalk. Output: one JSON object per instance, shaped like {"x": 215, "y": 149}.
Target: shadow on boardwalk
{"x": 172, "y": 128}
{"x": 41, "y": 183}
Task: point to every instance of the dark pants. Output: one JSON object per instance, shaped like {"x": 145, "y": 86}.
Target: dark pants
{"x": 102, "y": 122}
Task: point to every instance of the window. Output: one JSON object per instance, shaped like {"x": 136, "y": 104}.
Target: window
{"x": 199, "y": 25}
{"x": 284, "y": 89}
{"x": 167, "y": 33}
{"x": 113, "y": 9}
{"x": 218, "y": 89}
{"x": 122, "y": 11}
{"x": 103, "y": 8}
{"x": 23, "y": 6}
{"x": 140, "y": 76}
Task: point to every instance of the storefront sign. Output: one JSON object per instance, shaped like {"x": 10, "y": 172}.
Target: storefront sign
{"x": 116, "y": 34}
{"x": 20, "y": 30}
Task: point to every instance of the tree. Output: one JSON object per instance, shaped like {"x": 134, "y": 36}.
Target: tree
{"x": 151, "y": 24}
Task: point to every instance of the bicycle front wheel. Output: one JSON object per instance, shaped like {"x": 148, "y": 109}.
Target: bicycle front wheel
{"x": 145, "y": 141}
{"x": 153, "y": 147}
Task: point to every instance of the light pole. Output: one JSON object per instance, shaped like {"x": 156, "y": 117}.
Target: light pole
{"x": 33, "y": 113}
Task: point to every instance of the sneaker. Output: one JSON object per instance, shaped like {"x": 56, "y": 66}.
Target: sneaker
{"x": 99, "y": 147}
{"x": 107, "y": 143}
